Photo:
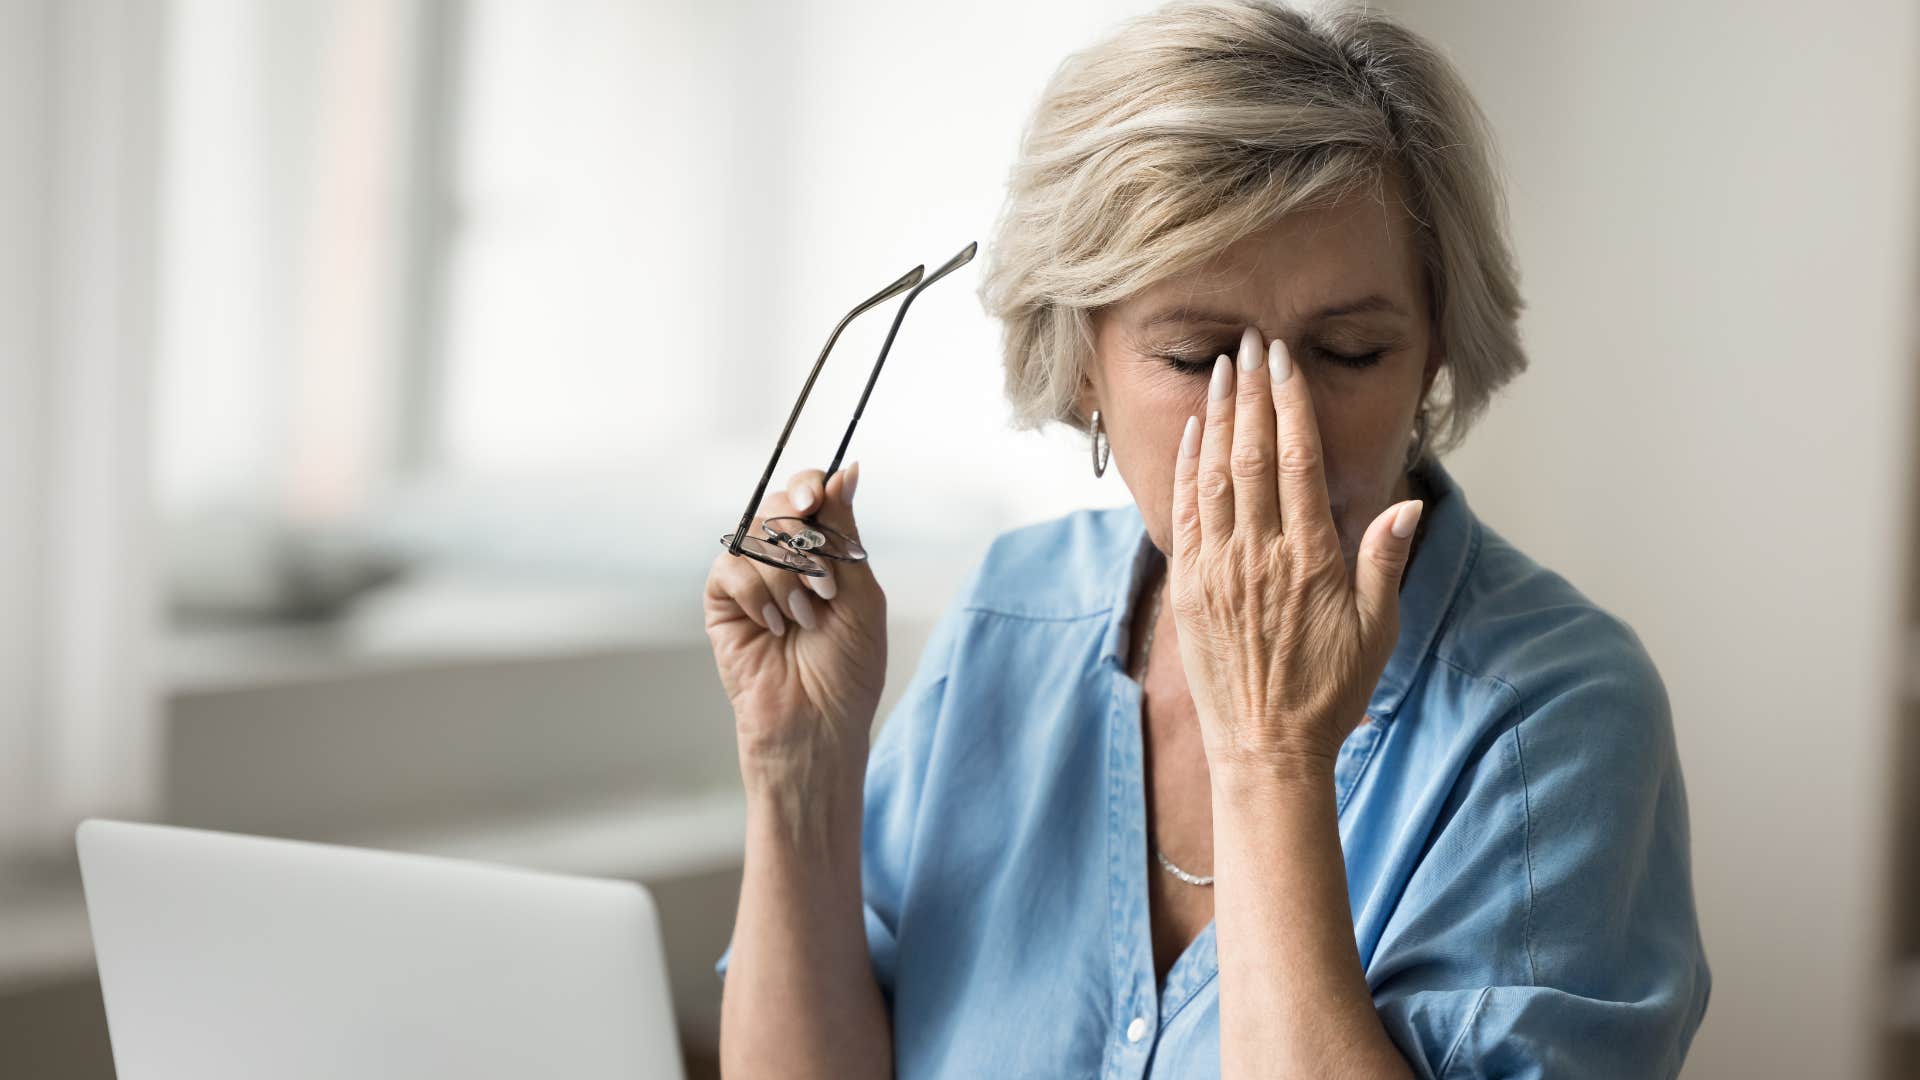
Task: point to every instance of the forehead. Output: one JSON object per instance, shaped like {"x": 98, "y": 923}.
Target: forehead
{"x": 1361, "y": 246}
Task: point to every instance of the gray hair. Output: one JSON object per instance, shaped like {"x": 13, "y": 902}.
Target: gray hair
{"x": 1205, "y": 121}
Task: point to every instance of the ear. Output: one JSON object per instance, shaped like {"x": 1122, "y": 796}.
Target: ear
{"x": 1086, "y": 399}
{"x": 1436, "y": 359}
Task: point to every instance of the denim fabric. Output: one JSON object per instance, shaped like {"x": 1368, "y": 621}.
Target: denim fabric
{"x": 1512, "y": 814}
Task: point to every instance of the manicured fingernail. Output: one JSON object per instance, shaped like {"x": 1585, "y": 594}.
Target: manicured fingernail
{"x": 802, "y": 610}
{"x": 801, "y": 497}
{"x": 823, "y": 585}
{"x": 1222, "y": 378}
{"x": 852, "y": 481}
{"x": 774, "y": 622}
{"x": 1249, "y": 349}
{"x": 1279, "y": 364}
{"x": 1407, "y": 518}
{"x": 1190, "y": 438}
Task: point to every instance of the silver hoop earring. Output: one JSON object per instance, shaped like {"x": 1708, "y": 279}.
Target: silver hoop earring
{"x": 1102, "y": 447}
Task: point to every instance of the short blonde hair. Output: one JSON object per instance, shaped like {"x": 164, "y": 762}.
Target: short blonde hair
{"x": 1203, "y": 122}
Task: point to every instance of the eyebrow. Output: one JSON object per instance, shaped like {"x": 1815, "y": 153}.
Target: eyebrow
{"x": 1363, "y": 305}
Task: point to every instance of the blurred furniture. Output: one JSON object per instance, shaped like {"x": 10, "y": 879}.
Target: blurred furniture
{"x": 1903, "y": 1038}
{"x": 607, "y": 752}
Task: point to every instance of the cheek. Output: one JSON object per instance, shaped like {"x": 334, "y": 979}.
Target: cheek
{"x": 1150, "y": 414}
{"x": 1354, "y": 435}
{"x": 1364, "y": 439}
{"x": 1154, "y": 407}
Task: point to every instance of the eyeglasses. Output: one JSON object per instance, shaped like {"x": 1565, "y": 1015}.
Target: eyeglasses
{"x": 799, "y": 543}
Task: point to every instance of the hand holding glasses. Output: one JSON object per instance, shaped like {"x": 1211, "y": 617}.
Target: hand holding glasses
{"x": 798, "y": 544}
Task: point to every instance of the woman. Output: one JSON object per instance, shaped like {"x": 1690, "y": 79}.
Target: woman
{"x": 1291, "y": 768}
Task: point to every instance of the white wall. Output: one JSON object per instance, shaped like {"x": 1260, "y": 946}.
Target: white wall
{"x": 1714, "y": 212}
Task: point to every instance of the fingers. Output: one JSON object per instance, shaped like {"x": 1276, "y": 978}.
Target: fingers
{"x": 831, "y": 504}
{"x": 1382, "y": 563}
{"x": 1303, "y": 479}
{"x": 1186, "y": 499}
{"x": 805, "y": 490}
{"x": 778, "y": 599}
{"x": 1261, "y": 464}
{"x": 789, "y": 594}
{"x": 740, "y": 582}
{"x": 1214, "y": 483}
{"x": 1256, "y": 500}
{"x": 837, "y": 512}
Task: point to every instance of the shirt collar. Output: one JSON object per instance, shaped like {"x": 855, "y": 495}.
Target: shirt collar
{"x": 1449, "y": 539}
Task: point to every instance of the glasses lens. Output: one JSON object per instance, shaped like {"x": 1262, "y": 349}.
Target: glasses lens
{"x": 814, "y": 538}
{"x": 779, "y": 555}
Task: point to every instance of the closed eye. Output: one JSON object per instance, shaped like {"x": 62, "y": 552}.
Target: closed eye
{"x": 1351, "y": 360}
{"x": 1202, "y": 365}
{"x": 1189, "y": 365}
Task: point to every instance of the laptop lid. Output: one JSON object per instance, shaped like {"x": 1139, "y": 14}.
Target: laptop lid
{"x": 225, "y": 956}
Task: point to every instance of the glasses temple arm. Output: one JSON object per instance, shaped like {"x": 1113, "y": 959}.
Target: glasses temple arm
{"x": 961, "y": 259}
{"x": 906, "y": 280}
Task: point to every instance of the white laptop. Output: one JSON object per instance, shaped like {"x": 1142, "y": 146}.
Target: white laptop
{"x": 226, "y": 956}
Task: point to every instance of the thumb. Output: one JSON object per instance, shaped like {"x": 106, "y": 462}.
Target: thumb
{"x": 1383, "y": 559}
{"x": 836, "y": 510}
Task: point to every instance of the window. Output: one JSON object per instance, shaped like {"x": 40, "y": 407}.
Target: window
{"x": 511, "y": 292}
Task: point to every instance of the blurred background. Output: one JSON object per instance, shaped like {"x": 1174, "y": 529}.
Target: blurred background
{"x": 377, "y": 377}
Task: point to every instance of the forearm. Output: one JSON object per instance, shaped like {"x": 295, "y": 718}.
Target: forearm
{"x": 799, "y": 999}
{"x": 1293, "y": 998}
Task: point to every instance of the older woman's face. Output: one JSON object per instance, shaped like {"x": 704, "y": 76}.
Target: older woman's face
{"x": 1343, "y": 288}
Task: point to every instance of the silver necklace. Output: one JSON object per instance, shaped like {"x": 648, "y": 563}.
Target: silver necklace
{"x": 1146, "y": 650}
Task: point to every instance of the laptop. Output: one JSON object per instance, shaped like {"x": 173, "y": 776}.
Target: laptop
{"x": 225, "y": 956}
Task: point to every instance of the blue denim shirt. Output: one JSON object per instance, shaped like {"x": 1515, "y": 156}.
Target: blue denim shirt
{"x": 1512, "y": 815}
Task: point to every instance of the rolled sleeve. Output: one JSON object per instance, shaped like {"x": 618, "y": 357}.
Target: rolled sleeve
{"x": 1550, "y": 931}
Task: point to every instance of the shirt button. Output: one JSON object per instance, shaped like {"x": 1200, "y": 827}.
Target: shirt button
{"x": 1137, "y": 1030}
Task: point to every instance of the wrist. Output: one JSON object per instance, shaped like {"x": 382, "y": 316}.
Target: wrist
{"x": 809, "y": 811}
{"x": 804, "y": 751}
{"x": 1279, "y": 772}
{"x": 817, "y": 771}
